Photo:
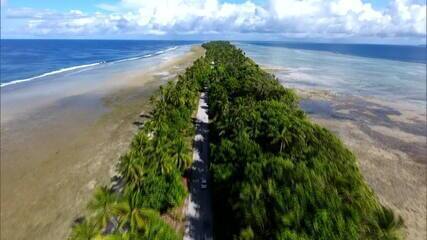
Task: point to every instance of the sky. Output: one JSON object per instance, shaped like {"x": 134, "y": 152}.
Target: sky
{"x": 350, "y": 21}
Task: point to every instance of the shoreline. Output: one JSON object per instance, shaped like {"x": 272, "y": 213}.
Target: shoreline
{"x": 75, "y": 143}
{"x": 299, "y": 178}
{"x": 82, "y": 67}
{"x": 389, "y": 142}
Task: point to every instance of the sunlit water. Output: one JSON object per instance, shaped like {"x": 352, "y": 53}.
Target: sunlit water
{"x": 88, "y": 84}
{"x": 398, "y": 81}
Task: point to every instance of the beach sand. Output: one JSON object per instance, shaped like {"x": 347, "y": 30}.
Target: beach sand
{"x": 389, "y": 141}
{"x": 56, "y": 150}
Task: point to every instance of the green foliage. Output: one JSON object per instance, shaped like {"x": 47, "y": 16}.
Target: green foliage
{"x": 102, "y": 206}
{"x": 159, "y": 192}
{"x": 85, "y": 230}
{"x": 152, "y": 169}
{"x": 276, "y": 175}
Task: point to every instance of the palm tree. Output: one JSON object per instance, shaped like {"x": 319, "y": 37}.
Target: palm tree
{"x": 131, "y": 218}
{"x": 102, "y": 206}
{"x": 282, "y": 136}
{"x": 176, "y": 95}
{"x": 85, "y": 230}
{"x": 139, "y": 224}
{"x": 140, "y": 140}
{"x": 158, "y": 151}
{"x": 132, "y": 169}
{"x": 389, "y": 224}
{"x": 164, "y": 161}
{"x": 161, "y": 108}
{"x": 180, "y": 154}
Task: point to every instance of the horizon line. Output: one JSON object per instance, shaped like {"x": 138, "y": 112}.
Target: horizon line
{"x": 204, "y": 40}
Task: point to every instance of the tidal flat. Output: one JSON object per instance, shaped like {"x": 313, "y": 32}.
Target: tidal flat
{"x": 377, "y": 108}
{"x": 56, "y": 147}
{"x": 389, "y": 141}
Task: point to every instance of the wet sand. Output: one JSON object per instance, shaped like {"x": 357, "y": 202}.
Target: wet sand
{"x": 389, "y": 140}
{"x": 54, "y": 151}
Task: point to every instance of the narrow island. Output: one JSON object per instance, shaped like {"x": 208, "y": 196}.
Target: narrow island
{"x": 273, "y": 173}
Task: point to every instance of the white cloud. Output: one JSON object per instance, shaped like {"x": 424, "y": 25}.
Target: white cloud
{"x": 288, "y": 18}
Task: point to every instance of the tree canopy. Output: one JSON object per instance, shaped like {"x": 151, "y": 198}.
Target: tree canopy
{"x": 151, "y": 170}
{"x": 276, "y": 174}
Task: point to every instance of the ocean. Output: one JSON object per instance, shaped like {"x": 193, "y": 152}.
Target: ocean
{"x": 28, "y": 60}
{"x": 385, "y": 71}
{"x": 415, "y": 54}
{"x": 75, "y": 106}
{"x": 396, "y": 73}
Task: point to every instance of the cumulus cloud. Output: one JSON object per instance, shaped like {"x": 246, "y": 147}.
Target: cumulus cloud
{"x": 289, "y": 18}
{"x": 45, "y": 14}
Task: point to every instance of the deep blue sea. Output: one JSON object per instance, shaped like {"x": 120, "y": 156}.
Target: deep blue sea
{"x": 416, "y": 54}
{"x": 396, "y": 72}
{"x": 26, "y": 60}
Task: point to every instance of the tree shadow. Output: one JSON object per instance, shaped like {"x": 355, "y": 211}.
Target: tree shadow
{"x": 117, "y": 184}
{"x": 145, "y": 115}
{"x": 199, "y": 223}
{"x": 139, "y": 124}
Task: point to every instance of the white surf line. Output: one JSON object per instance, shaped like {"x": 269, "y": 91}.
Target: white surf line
{"x": 62, "y": 70}
{"x": 199, "y": 221}
{"x": 85, "y": 66}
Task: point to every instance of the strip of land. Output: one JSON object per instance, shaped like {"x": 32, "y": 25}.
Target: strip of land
{"x": 276, "y": 174}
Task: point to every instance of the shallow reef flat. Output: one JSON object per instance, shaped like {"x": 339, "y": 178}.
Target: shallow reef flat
{"x": 389, "y": 141}
{"x": 55, "y": 150}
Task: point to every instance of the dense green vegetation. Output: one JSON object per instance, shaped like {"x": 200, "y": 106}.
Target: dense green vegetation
{"x": 151, "y": 172}
{"x": 276, "y": 175}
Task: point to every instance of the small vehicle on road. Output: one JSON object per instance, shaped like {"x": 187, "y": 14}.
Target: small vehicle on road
{"x": 204, "y": 184}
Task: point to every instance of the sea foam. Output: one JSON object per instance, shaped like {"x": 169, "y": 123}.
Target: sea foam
{"x": 73, "y": 68}
{"x": 62, "y": 70}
